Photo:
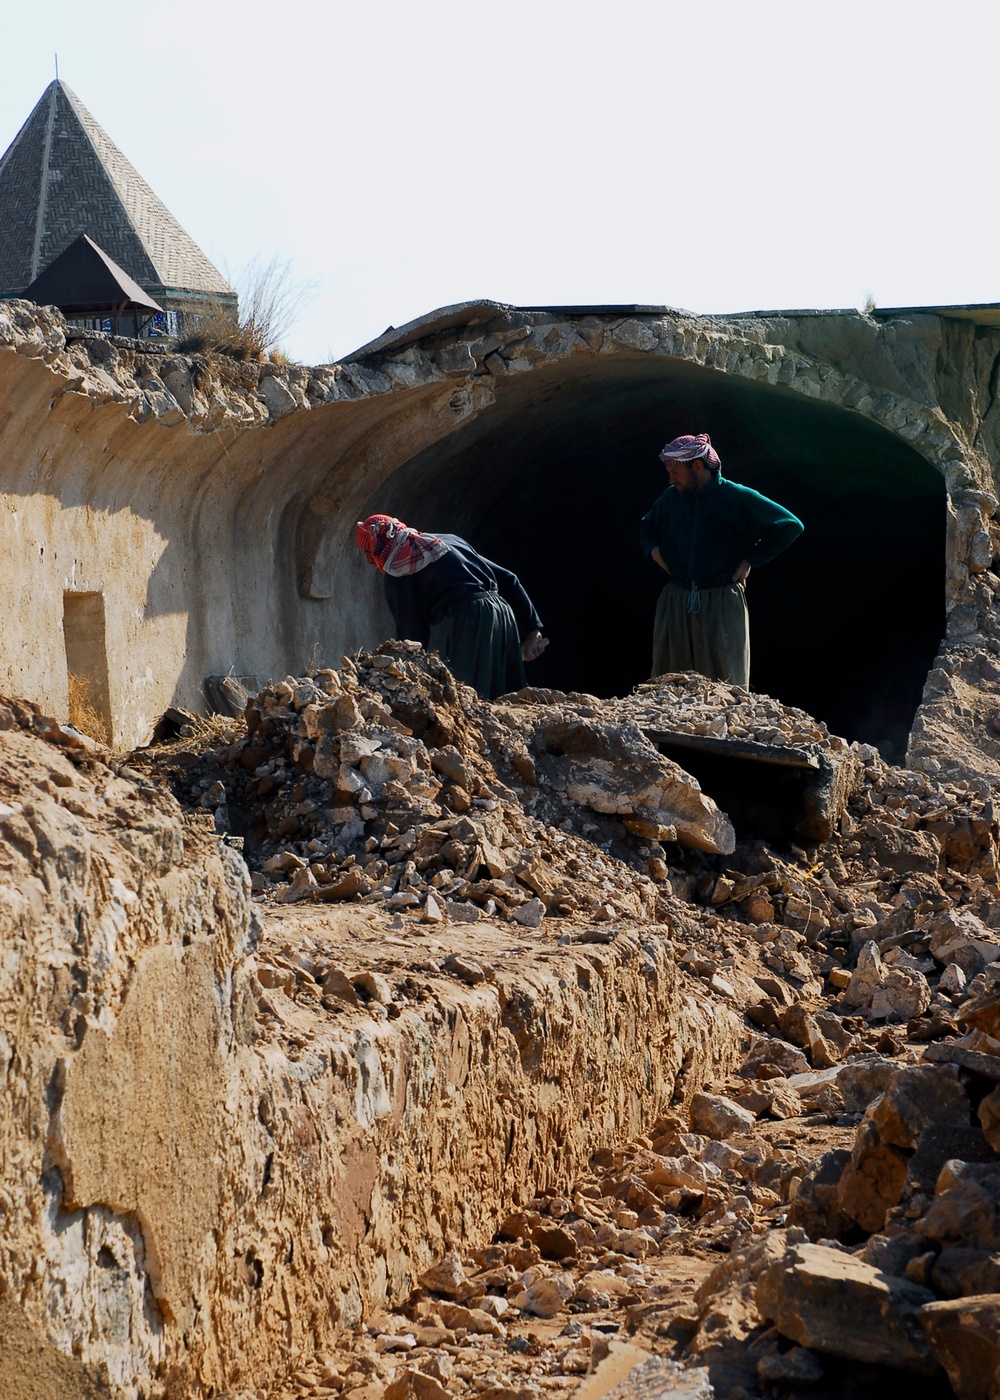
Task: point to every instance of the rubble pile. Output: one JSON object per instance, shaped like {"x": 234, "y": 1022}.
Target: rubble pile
{"x": 691, "y": 704}
{"x": 624, "y": 1253}
{"x": 804, "y": 1291}
{"x": 892, "y": 1251}
{"x": 836, "y": 1204}
{"x": 386, "y": 781}
{"x": 801, "y": 1293}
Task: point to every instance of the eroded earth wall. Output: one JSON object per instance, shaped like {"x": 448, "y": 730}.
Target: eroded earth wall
{"x": 204, "y": 1178}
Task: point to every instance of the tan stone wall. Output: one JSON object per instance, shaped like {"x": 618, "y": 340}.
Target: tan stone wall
{"x": 117, "y": 942}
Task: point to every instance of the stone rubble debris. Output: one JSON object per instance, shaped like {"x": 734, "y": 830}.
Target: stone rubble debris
{"x": 836, "y": 1202}
{"x": 384, "y": 781}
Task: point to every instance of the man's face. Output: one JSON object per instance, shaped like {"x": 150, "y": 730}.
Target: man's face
{"x": 688, "y": 477}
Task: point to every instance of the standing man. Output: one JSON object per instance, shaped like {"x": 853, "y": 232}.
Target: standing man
{"x": 706, "y": 534}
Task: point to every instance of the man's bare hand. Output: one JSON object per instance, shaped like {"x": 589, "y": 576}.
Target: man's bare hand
{"x": 533, "y": 645}
{"x": 655, "y": 554}
{"x": 741, "y": 573}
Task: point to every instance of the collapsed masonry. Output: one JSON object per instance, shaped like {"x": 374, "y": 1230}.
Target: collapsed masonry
{"x": 702, "y": 1087}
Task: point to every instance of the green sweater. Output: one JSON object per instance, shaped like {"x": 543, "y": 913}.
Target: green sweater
{"x": 703, "y": 537}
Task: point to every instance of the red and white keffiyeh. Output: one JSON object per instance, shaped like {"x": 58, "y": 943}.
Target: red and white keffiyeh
{"x": 689, "y": 448}
{"x": 395, "y": 548}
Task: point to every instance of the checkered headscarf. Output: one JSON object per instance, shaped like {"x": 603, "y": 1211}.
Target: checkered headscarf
{"x": 395, "y": 548}
{"x": 689, "y": 448}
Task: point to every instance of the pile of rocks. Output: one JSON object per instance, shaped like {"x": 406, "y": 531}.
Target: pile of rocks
{"x": 853, "y": 1156}
{"x": 386, "y": 781}
{"x": 885, "y": 1251}
{"x": 920, "y": 1186}
{"x": 570, "y": 1275}
{"x": 691, "y": 704}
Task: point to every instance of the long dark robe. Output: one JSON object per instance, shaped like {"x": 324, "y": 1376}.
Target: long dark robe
{"x": 472, "y": 612}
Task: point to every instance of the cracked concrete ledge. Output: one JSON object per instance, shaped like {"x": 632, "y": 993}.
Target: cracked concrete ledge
{"x": 205, "y": 1178}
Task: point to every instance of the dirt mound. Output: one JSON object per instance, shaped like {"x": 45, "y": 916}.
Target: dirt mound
{"x": 387, "y": 781}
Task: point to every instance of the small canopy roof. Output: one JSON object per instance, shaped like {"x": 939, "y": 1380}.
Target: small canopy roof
{"x": 84, "y": 279}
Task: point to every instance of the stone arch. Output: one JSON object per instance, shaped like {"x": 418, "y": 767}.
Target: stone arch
{"x": 533, "y": 394}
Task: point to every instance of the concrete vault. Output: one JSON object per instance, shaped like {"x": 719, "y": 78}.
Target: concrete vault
{"x": 210, "y": 505}
{"x": 555, "y": 478}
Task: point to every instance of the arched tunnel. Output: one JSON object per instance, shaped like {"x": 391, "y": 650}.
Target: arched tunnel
{"x": 553, "y": 479}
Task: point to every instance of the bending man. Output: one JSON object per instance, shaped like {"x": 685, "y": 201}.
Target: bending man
{"x": 451, "y": 600}
{"x": 707, "y": 533}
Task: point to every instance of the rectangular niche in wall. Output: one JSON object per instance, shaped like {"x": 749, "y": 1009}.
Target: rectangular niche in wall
{"x": 87, "y": 664}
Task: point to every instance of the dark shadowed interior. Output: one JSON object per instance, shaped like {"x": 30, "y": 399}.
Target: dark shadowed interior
{"x": 553, "y": 480}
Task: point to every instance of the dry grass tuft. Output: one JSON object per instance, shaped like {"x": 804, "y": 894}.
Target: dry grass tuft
{"x": 212, "y": 730}
{"x": 83, "y": 713}
{"x": 219, "y": 332}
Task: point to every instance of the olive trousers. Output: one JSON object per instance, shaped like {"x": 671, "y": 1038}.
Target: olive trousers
{"x": 705, "y": 630}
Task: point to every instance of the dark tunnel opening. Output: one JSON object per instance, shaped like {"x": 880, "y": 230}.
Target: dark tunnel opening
{"x": 553, "y": 480}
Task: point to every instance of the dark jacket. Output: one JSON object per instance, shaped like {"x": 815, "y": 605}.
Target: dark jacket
{"x": 704, "y": 536}
{"x": 418, "y": 601}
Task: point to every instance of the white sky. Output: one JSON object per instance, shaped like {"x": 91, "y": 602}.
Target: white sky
{"x": 716, "y": 156}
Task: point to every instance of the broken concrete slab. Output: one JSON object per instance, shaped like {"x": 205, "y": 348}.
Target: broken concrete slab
{"x": 917, "y": 1099}
{"x": 966, "y": 1206}
{"x": 815, "y": 1206}
{"x": 873, "y": 1180}
{"x": 977, "y": 1061}
{"x": 960, "y": 937}
{"x": 829, "y": 1301}
{"x": 615, "y": 770}
{"x": 659, "y": 1376}
{"x": 718, "y": 1117}
{"x": 619, "y": 1362}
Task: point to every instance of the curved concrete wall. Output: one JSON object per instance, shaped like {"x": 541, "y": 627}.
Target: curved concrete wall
{"x": 211, "y": 505}
{"x": 553, "y": 479}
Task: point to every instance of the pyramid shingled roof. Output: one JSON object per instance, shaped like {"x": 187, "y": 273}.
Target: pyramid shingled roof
{"x": 63, "y": 176}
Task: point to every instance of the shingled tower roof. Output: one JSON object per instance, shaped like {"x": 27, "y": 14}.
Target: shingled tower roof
{"x": 63, "y": 176}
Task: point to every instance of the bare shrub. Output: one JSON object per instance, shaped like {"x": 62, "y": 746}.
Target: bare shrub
{"x": 270, "y": 302}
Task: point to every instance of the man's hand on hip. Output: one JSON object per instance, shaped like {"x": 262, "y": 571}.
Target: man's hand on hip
{"x": 741, "y": 573}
